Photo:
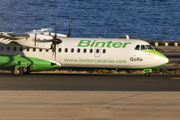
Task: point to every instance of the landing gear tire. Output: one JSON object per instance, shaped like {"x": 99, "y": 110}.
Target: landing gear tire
{"x": 147, "y": 74}
{"x": 17, "y": 72}
{"x": 26, "y": 71}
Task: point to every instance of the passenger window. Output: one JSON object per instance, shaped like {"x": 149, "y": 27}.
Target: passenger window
{"x": 47, "y": 50}
{"x": 27, "y": 49}
{"x": 14, "y": 48}
{"x": 59, "y": 49}
{"x": 78, "y": 50}
{"x": 91, "y": 50}
{"x": 137, "y": 47}
{"x": 143, "y": 47}
{"x": 84, "y": 50}
{"x": 66, "y": 50}
{"x": 72, "y": 50}
{"x": 40, "y": 50}
{"x": 2, "y": 48}
{"x": 21, "y": 48}
{"x": 34, "y": 49}
{"x": 97, "y": 50}
{"x": 8, "y": 48}
{"x": 104, "y": 50}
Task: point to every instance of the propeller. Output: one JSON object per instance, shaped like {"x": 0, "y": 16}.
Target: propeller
{"x": 70, "y": 29}
{"x": 55, "y": 40}
{"x": 35, "y": 40}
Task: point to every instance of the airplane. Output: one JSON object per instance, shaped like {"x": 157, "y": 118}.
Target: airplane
{"x": 40, "y": 51}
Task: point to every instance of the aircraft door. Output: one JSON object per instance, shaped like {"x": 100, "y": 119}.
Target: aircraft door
{"x": 49, "y": 54}
{"x": 97, "y": 51}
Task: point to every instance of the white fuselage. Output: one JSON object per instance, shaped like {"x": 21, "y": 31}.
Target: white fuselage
{"x": 119, "y": 53}
{"x": 90, "y": 53}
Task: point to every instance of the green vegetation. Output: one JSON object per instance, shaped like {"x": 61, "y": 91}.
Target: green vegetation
{"x": 102, "y": 71}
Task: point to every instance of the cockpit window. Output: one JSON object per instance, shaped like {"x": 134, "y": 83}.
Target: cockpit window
{"x": 149, "y": 47}
{"x": 137, "y": 47}
{"x": 143, "y": 47}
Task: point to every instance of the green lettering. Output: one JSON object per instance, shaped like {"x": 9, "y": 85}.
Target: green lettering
{"x": 117, "y": 44}
{"x": 93, "y": 43}
{"x": 125, "y": 44}
{"x": 103, "y": 44}
{"x": 108, "y": 44}
{"x": 84, "y": 43}
{"x": 80, "y": 60}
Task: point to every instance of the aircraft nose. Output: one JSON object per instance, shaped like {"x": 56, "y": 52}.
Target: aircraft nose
{"x": 161, "y": 59}
{"x": 164, "y": 59}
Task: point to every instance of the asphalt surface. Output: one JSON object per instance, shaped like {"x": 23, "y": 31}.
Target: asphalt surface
{"x": 89, "y": 97}
{"x": 90, "y": 82}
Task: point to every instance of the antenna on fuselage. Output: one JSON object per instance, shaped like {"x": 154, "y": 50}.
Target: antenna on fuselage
{"x": 127, "y": 36}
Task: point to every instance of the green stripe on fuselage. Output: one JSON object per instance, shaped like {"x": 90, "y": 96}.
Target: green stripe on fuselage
{"x": 155, "y": 52}
{"x": 8, "y": 62}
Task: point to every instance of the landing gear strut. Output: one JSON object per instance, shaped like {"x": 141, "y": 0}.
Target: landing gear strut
{"x": 27, "y": 71}
{"x": 147, "y": 72}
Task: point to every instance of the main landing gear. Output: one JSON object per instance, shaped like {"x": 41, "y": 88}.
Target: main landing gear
{"x": 21, "y": 71}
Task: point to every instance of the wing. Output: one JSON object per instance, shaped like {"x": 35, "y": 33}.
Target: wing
{"x": 6, "y": 38}
{"x": 27, "y": 40}
{"x": 30, "y": 40}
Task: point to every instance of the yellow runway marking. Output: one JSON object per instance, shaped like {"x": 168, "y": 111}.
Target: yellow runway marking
{"x": 175, "y": 78}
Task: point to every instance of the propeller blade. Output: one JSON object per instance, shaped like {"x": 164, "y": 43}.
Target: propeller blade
{"x": 71, "y": 28}
{"x": 55, "y": 30}
{"x": 55, "y": 40}
{"x": 69, "y": 34}
{"x": 55, "y": 50}
{"x": 35, "y": 40}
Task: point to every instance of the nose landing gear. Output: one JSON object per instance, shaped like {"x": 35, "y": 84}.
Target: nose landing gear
{"x": 147, "y": 72}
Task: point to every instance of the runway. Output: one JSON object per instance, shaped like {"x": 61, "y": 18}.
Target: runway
{"x": 89, "y": 97}
{"x": 90, "y": 82}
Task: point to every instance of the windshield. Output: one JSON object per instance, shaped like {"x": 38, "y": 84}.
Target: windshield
{"x": 144, "y": 47}
{"x": 149, "y": 47}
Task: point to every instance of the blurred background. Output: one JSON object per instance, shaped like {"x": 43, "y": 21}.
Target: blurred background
{"x": 147, "y": 19}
